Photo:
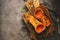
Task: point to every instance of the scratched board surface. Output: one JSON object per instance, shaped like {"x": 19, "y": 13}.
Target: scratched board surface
{"x": 12, "y": 27}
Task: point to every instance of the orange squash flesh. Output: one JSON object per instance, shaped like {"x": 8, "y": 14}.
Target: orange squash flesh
{"x": 39, "y": 14}
{"x": 38, "y": 26}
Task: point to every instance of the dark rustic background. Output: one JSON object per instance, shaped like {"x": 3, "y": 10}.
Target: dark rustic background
{"x": 11, "y": 21}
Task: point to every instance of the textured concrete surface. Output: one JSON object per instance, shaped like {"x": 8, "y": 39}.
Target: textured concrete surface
{"x": 11, "y": 21}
